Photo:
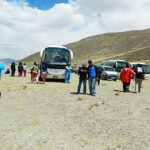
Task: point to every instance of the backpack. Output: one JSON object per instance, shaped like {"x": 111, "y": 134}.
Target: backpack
{"x": 139, "y": 72}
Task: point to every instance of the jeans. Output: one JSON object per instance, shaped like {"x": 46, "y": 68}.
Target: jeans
{"x": 92, "y": 86}
{"x": 67, "y": 79}
{"x": 13, "y": 73}
{"x": 84, "y": 85}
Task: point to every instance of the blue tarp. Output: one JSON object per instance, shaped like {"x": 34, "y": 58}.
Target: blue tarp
{"x": 2, "y": 66}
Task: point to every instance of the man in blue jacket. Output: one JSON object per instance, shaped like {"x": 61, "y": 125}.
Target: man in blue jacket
{"x": 68, "y": 72}
{"x": 92, "y": 74}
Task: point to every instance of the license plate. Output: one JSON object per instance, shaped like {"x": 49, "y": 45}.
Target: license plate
{"x": 55, "y": 77}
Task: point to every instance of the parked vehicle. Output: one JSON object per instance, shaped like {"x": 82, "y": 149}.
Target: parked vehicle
{"x": 56, "y": 58}
{"x": 109, "y": 73}
{"x": 118, "y": 65}
{"x": 145, "y": 66}
{"x": 75, "y": 69}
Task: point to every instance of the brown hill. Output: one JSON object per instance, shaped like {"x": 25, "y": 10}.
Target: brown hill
{"x": 131, "y": 46}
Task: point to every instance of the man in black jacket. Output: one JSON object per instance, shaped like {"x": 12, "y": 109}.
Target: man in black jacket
{"x": 82, "y": 78}
{"x": 13, "y": 69}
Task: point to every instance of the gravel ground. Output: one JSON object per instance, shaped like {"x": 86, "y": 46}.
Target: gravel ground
{"x": 52, "y": 117}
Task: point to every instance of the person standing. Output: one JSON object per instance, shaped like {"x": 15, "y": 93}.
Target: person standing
{"x": 99, "y": 73}
{"x": 20, "y": 69}
{"x": 1, "y": 68}
{"x": 44, "y": 71}
{"x": 25, "y": 68}
{"x": 68, "y": 73}
{"x": 92, "y": 75}
{"x": 139, "y": 76}
{"x": 34, "y": 72}
{"x": 13, "y": 69}
{"x": 82, "y": 78}
{"x": 125, "y": 77}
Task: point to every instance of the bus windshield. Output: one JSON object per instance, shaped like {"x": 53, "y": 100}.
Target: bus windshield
{"x": 57, "y": 56}
{"x": 121, "y": 65}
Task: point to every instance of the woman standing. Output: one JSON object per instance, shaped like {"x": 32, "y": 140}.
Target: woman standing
{"x": 34, "y": 72}
{"x": 20, "y": 69}
{"x": 25, "y": 68}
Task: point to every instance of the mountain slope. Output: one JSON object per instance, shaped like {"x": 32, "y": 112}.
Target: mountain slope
{"x": 7, "y": 60}
{"x": 131, "y": 46}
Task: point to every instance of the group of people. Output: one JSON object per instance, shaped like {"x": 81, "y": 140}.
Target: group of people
{"x": 137, "y": 74}
{"x": 92, "y": 73}
{"x": 22, "y": 69}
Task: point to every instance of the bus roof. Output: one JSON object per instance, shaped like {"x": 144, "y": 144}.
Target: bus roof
{"x": 55, "y": 46}
{"x": 115, "y": 60}
{"x": 135, "y": 63}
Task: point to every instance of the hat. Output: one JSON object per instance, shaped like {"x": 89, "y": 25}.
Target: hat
{"x": 90, "y": 61}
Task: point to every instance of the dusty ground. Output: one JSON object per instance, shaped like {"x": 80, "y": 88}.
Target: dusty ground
{"x": 51, "y": 117}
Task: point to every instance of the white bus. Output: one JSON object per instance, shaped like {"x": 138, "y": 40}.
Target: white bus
{"x": 145, "y": 66}
{"x": 118, "y": 65}
{"x": 56, "y": 58}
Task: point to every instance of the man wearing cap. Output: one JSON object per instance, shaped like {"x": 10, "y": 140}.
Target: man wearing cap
{"x": 82, "y": 78}
{"x": 92, "y": 74}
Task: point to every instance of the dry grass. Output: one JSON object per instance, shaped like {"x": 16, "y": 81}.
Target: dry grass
{"x": 24, "y": 87}
{"x": 79, "y": 99}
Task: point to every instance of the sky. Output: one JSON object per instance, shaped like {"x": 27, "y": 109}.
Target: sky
{"x": 28, "y": 26}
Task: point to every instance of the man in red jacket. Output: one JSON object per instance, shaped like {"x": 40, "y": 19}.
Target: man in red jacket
{"x": 125, "y": 77}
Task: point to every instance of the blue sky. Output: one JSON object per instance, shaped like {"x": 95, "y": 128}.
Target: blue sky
{"x": 42, "y": 4}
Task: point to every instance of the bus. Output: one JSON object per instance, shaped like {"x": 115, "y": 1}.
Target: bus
{"x": 56, "y": 58}
{"x": 145, "y": 66}
{"x": 118, "y": 65}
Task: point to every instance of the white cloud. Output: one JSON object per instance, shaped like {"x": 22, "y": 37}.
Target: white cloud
{"x": 24, "y": 30}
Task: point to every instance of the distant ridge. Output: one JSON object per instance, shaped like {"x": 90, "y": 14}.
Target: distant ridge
{"x": 130, "y": 45}
{"x": 7, "y": 60}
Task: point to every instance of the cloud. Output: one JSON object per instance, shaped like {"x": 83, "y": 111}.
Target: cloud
{"x": 25, "y": 30}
